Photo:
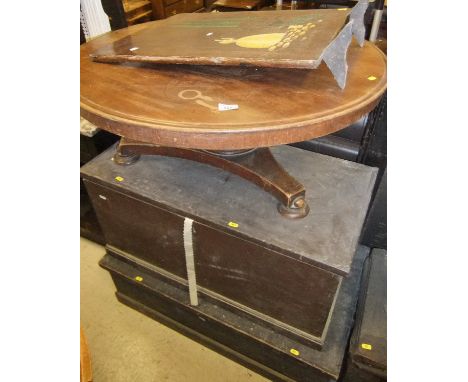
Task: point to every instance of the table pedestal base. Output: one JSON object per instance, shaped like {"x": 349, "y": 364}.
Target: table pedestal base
{"x": 257, "y": 166}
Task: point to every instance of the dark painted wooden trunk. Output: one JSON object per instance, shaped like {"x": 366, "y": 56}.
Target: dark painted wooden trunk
{"x": 368, "y": 345}
{"x": 248, "y": 258}
{"x": 241, "y": 273}
{"x": 253, "y": 343}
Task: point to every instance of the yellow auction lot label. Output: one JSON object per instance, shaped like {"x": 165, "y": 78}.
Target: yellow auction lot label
{"x": 294, "y": 351}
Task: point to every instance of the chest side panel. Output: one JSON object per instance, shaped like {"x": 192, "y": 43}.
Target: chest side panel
{"x": 139, "y": 228}
{"x": 290, "y": 291}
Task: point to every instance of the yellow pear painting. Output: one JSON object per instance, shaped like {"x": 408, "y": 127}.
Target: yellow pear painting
{"x": 270, "y": 41}
{"x": 258, "y": 41}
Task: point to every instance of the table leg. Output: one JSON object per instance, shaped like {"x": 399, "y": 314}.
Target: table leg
{"x": 257, "y": 166}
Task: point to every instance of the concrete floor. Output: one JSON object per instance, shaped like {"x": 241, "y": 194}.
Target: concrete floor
{"x": 126, "y": 346}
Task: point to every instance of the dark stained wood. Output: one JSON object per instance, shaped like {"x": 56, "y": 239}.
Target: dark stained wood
{"x": 308, "y": 318}
{"x": 136, "y": 227}
{"x": 151, "y": 103}
{"x": 374, "y": 233}
{"x": 258, "y": 166}
{"x": 89, "y": 225}
{"x": 255, "y": 277}
{"x": 295, "y": 39}
{"x": 368, "y": 346}
{"x": 242, "y": 246}
{"x": 159, "y": 8}
{"x": 339, "y": 193}
{"x": 246, "y": 275}
{"x": 249, "y": 342}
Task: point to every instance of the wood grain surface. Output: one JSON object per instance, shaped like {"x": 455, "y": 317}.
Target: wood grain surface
{"x": 177, "y": 105}
{"x": 295, "y": 39}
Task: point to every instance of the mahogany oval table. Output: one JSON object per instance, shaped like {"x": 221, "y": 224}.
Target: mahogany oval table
{"x": 174, "y": 110}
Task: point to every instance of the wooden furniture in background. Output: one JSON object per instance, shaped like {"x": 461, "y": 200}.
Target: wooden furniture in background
{"x": 123, "y": 13}
{"x": 138, "y": 11}
{"x": 166, "y": 8}
{"x": 290, "y": 5}
{"x": 238, "y": 5}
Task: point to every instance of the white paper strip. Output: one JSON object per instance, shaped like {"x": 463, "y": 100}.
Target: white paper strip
{"x": 190, "y": 261}
{"x": 223, "y": 107}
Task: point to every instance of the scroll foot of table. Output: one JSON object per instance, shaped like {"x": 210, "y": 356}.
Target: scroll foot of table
{"x": 125, "y": 159}
{"x": 299, "y": 209}
{"x": 257, "y": 166}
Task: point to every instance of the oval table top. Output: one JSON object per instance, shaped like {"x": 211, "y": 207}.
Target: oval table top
{"x": 178, "y": 105}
